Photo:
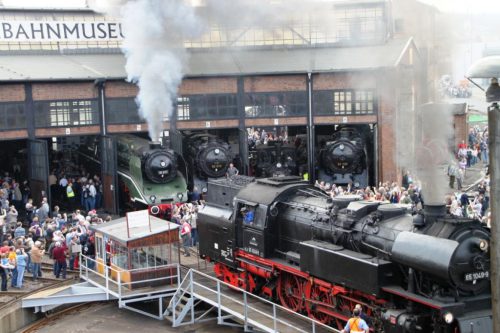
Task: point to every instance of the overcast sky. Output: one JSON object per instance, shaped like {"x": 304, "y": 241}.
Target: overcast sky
{"x": 476, "y": 6}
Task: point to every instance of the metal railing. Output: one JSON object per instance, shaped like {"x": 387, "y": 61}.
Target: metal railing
{"x": 111, "y": 279}
{"x": 253, "y": 311}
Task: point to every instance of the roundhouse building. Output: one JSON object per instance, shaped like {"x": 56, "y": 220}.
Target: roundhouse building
{"x": 63, "y": 78}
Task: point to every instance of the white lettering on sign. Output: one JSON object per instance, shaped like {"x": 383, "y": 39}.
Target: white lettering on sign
{"x": 344, "y": 120}
{"x": 138, "y": 127}
{"x": 276, "y": 121}
{"x": 68, "y": 131}
{"x": 46, "y": 31}
{"x": 207, "y": 124}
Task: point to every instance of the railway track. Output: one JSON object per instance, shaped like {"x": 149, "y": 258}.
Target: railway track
{"x": 50, "y": 317}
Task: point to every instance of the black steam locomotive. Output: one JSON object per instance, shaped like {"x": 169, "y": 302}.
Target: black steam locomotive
{"x": 147, "y": 172}
{"x": 274, "y": 159}
{"x": 320, "y": 256}
{"x": 344, "y": 158}
{"x": 208, "y": 156}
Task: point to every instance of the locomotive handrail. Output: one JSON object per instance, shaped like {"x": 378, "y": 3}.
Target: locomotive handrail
{"x": 246, "y": 295}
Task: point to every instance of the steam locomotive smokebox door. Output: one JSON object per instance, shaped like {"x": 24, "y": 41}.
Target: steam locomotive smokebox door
{"x": 218, "y": 239}
{"x": 337, "y": 264}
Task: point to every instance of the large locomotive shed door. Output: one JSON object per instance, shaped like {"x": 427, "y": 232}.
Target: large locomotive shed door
{"x": 109, "y": 174}
{"x": 38, "y": 170}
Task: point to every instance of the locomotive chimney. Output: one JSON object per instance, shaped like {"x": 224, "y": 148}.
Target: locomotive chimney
{"x": 434, "y": 210}
{"x": 430, "y": 213}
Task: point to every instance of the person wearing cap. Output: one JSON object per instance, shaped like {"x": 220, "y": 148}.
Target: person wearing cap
{"x": 356, "y": 324}
{"x": 248, "y": 215}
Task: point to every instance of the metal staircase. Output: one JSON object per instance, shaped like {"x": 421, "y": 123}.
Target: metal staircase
{"x": 201, "y": 297}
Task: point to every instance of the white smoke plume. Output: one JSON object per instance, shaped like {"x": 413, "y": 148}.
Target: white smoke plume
{"x": 154, "y": 34}
{"x": 155, "y": 31}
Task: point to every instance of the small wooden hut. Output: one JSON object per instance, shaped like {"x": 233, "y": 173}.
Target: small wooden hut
{"x": 138, "y": 247}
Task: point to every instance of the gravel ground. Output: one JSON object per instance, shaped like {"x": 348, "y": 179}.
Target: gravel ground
{"x": 106, "y": 317}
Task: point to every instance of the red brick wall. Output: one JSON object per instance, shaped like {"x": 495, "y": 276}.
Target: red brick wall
{"x": 461, "y": 131}
{"x": 344, "y": 81}
{"x": 113, "y": 89}
{"x": 61, "y": 91}
{"x": 281, "y": 121}
{"x": 219, "y": 85}
{"x": 10, "y": 135}
{"x": 275, "y": 83}
{"x": 203, "y": 124}
{"x": 61, "y": 131}
{"x": 12, "y": 93}
{"x": 366, "y": 119}
{"x": 388, "y": 170}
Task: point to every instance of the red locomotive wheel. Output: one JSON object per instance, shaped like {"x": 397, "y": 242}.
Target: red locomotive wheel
{"x": 290, "y": 292}
{"x": 319, "y": 302}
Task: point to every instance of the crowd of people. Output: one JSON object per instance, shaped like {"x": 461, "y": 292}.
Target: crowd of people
{"x": 28, "y": 233}
{"x": 257, "y": 136}
{"x": 469, "y": 154}
{"x": 385, "y": 192}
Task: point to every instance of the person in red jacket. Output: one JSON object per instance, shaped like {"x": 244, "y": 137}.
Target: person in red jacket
{"x": 59, "y": 254}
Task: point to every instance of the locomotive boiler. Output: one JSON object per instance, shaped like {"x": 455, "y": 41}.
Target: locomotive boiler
{"x": 427, "y": 272}
{"x": 344, "y": 157}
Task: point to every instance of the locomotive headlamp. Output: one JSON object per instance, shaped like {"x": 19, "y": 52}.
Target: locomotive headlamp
{"x": 204, "y": 190}
{"x": 152, "y": 198}
{"x": 483, "y": 245}
{"x": 278, "y": 165}
{"x": 180, "y": 195}
{"x": 162, "y": 163}
{"x": 448, "y": 317}
{"x": 217, "y": 151}
{"x": 155, "y": 210}
{"x": 341, "y": 147}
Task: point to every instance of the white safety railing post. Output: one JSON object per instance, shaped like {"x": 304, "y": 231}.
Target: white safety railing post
{"x": 275, "y": 324}
{"x": 219, "y": 311}
{"x": 107, "y": 281}
{"x": 119, "y": 286}
{"x": 191, "y": 290}
{"x": 80, "y": 261}
{"x": 245, "y": 309}
{"x": 174, "y": 306}
{"x": 314, "y": 327}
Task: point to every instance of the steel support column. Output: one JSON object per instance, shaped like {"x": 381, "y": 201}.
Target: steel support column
{"x": 310, "y": 131}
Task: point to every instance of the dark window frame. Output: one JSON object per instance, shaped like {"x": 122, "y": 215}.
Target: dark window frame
{"x": 12, "y": 116}
{"x": 276, "y": 104}
{"x": 206, "y": 107}
{"x": 66, "y": 113}
{"x": 345, "y": 102}
{"x": 117, "y": 114}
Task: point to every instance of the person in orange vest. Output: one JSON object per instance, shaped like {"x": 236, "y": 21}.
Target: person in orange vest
{"x": 356, "y": 324}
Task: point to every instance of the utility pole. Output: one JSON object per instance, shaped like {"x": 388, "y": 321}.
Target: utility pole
{"x": 494, "y": 167}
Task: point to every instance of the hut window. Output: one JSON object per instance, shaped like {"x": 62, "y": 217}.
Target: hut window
{"x": 119, "y": 255}
{"x": 149, "y": 257}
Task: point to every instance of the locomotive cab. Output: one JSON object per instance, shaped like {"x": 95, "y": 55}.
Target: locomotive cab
{"x": 250, "y": 218}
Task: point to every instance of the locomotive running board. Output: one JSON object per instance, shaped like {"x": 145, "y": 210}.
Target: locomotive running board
{"x": 456, "y": 308}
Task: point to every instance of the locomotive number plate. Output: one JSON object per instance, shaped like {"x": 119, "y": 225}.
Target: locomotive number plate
{"x": 469, "y": 277}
